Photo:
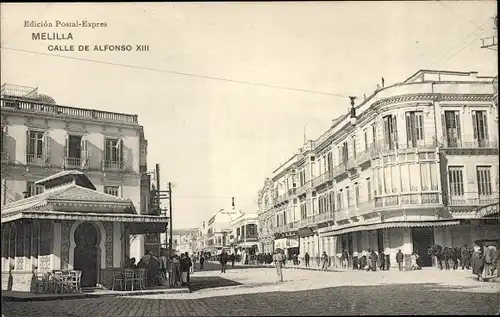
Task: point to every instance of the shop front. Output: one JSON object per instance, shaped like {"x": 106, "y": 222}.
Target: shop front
{"x": 70, "y": 226}
{"x": 289, "y": 245}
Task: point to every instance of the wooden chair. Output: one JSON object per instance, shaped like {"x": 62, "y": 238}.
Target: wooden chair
{"x": 75, "y": 281}
{"x": 128, "y": 277}
{"x": 117, "y": 278}
{"x": 40, "y": 283}
{"x": 140, "y": 278}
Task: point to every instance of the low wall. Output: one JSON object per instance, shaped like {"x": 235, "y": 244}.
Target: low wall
{"x": 20, "y": 281}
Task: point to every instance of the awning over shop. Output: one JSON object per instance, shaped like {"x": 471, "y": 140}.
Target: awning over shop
{"x": 390, "y": 224}
{"x": 488, "y": 211}
{"x": 247, "y": 245}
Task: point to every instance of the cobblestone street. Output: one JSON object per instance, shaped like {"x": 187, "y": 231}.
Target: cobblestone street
{"x": 302, "y": 293}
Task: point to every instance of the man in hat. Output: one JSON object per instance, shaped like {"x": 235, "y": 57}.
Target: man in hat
{"x": 278, "y": 263}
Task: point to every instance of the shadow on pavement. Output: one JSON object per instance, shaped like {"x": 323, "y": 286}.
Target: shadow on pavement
{"x": 204, "y": 282}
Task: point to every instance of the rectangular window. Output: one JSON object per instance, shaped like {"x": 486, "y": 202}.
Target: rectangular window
{"x": 369, "y": 189}
{"x": 356, "y": 194}
{"x": 345, "y": 152}
{"x": 365, "y": 138}
{"x": 374, "y": 134}
{"x": 456, "y": 180}
{"x": 414, "y": 128}
{"x": 354, "y": 146}
{"x": 330, "y": 162}
{"x": 340, "y": 201}
{"x": 452, "y": 128}
{"x": 390, "y": 132}
{"x": 112, "y": 190}
{"x": 480, "y": 126}
{"x": 348, "y": 196}
{"x": 113, "y": 150}
{"x": 32, "y": 189}
{"x": 314, "y": 211}
{"x": 484, "y": 180}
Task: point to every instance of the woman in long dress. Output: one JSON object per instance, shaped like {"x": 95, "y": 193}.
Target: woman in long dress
{"x": 478, "y": 262}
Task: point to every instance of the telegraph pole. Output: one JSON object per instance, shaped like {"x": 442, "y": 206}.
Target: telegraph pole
{"x": 170, "y": 217}
{"x": 157, "y": 178}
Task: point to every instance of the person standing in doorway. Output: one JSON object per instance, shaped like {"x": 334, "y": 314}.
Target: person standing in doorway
{"x": 306, "y": 259}
{"x": 223, "y": 261}
{"x": 399, "y": 259}
{"x": 278, "y": 263}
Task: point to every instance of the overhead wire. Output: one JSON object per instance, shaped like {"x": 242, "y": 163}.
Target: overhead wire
{"x": 177, "y": 73}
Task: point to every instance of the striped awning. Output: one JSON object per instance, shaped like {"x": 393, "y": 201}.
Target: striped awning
{"x": 390, "y": 224}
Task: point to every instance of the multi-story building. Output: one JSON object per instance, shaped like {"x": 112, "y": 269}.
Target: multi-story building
{"x": 410, "y": 167}
{"x": 266, "y": 214}
{"x": 40, "y": 138}
{"x": 244, "y": 235}
{"x": 184, "y": 240}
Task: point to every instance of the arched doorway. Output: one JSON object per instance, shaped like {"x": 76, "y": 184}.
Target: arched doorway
{"x": 86, "y": 253}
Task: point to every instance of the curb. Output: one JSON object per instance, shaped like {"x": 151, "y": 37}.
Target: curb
{"x": 93, "y": 295}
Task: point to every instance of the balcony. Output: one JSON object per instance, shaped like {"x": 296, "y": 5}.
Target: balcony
{"x": 408, "y": 199}
{"x": 113, "y": 166}
{"x": 472, "y": 199}
{"x": 37, "y": 159}
{"x": 339, "y": 170}
{"x": 320, "y": 180}
{"x": 363, "y": 157}
{"x": 74, "y": 163}
{"x": 468, "y": 142}
{"x": 5, "y": 157}
{"x": 33, "y": 106}
{"x": 302, "y": 189}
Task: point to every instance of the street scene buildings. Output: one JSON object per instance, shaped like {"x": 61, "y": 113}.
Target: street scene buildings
{"x": 413, "y": 165}
{"x": 317, "y": 158}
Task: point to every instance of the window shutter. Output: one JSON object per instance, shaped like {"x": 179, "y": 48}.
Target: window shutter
{"x": 474, "y": 125}
{"x": 485, "y": 124}
{"x": 395, "y": 133}
{"x": 120, "y": 151}
{"x": 46, "y": 144}
{"x": 408, "y": 129}
{"x": 459, "y": 132}
{"x": 84, "y": 151}
{"x": 27, "y": 145}
{"x": 66, "y": 145}
{"x": 445, "y": 131}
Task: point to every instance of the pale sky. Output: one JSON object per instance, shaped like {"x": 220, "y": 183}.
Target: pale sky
{"x": 217, "y": 139}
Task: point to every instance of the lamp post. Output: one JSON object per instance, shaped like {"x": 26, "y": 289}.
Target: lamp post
{"x": 354, "y": 120}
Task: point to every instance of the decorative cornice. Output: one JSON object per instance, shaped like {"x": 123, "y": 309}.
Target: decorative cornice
{"x": 29, "y": 122}
{"x": 75, "y": 129}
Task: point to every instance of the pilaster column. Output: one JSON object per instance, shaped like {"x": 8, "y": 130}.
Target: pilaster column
{"x": 56, "y": 247}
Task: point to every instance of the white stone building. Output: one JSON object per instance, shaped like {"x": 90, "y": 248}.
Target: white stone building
{"x": 41, "y": 138}
{"x": 411, "y": 166}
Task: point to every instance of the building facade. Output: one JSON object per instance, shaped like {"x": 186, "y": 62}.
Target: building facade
{"x": 410, "y": 167}
{"x": 244, "y": 235}
{"x": 40, "y": 137}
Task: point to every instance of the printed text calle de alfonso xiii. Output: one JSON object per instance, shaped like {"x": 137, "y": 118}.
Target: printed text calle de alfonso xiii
{"x": 68, "y": 36}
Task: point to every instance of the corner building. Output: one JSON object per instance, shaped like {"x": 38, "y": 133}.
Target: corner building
{"x": 416, "y": 167}
{"x": 41, "y": 138}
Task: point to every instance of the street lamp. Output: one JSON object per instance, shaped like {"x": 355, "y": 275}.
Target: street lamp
{"x": 354, "y": 120}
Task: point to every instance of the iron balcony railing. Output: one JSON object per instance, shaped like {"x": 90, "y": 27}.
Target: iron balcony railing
{"x": 468, "y": 142}
{"x": 472, "y": 199}
{"x": 339, "y": 169}
{"x": 113, "y": 165}
{"x": 37, "y": 159}
{"x": 75, "y": 163}
{"x": 302, "y": 189}
{"x": 33, "y": 106}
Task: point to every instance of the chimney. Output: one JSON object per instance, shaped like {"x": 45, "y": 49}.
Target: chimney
{"x": 232, "y": 204}
{"x": 383, "y": 82}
